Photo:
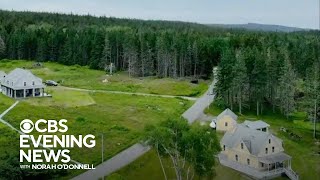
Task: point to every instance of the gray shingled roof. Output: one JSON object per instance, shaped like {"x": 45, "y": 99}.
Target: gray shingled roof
{"x": 16, "y": 79}
{"x": 227, "y": 112}
{"x": 2, "y": 74}
{"x": 256, "y": 124}
{"x": 253, "y": 139}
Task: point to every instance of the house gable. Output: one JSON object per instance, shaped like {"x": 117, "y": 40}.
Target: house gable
{"x": 226, "y": 123}
{"x": 242, "y": 146}
{"x": 271, "y": 145}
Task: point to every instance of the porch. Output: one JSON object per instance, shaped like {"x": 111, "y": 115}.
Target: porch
{"x": 274, "y": 169}
{"x": 23, "y": 93}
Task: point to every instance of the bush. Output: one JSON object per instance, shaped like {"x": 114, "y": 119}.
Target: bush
{"x": 80, "y": 119}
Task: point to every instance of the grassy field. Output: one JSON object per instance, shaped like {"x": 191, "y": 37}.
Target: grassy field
{"x": 5, "y": 103}
{"x": 83, "y": 77}
{"x": 121, "y": 118}
{"x": 148, "y": 167}
{"x": 305, "y": 153}
{"x": 121, "y": 121}
{"x": 62, "y": 97}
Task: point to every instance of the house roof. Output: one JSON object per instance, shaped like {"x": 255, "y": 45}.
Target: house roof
{"x": 253, "y": 139}
{"x": 2, "y": 75}
{"x": 227, "y": 112}
{"x": 18, "y": 77}
{"x": 256, "y": 124}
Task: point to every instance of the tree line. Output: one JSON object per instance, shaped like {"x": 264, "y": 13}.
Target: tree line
{"x": 257, "y": 79}
{"x": 143, "y": 48}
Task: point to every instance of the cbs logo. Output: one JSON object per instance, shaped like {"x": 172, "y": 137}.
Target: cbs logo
{"x": 51, "y": 126}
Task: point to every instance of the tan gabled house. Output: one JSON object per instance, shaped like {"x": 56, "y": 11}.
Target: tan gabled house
{"x": 251, "y": 149}
{"x": 226, "y": 121}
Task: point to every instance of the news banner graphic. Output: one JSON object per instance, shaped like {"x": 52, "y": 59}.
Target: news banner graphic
{"x": 50, "y": 151}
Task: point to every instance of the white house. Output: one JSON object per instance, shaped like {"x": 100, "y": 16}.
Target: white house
{"x": 21, "y": 83}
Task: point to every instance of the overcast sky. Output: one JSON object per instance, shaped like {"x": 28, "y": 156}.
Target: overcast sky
{"x": 298, "y": 13}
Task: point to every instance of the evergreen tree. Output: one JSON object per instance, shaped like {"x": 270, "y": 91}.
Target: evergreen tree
{"x": 225, "y": 77}
{"x": 240, "y": 81}
{"x": 259, "y": 80}
{"x": 312, "y": 89}
{"x": 287, "y": 88}
{"x": 2, "y": 47}
{"x": 41, "y": 50}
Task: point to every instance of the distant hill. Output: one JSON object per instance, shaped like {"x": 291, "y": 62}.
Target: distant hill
{"x": 260, "y": 27}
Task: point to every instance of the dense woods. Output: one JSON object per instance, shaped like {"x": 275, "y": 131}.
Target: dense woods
{"x": 256, "y": 69}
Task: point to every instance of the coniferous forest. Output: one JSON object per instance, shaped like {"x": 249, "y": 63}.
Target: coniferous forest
{"x": 256, "y": 69}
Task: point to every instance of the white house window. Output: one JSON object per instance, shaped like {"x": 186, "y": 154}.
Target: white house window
{"x": 272, "y": 148}
{"x": 224, "y": 147}
{"x": 24, "y": 83}
{"x": 11, "y": 83}
{"x": 33, "y": 83}
{"x": 236, "y": 157}
{"x": 226, "y": 124}
{"x": 248, "y": 161}
{"x": 266, "y": 150}
{"x": 269, "y": 141}
{"x": 262, "y": 165}
{"x": 241, "y": 145}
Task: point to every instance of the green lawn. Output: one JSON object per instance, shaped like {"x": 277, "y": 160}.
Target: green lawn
{"x": 121, "y": 118}
{"x": 83, "y": 77}
{"x": 5, "y": 103}
{"x": 306, "y": 161}
{"x": 148, "y": 167}
{"x": 63, "y": 98}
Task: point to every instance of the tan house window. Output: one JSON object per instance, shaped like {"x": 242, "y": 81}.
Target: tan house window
{"x": 272, "y": 148}
{"x": 266, "y": 150}
{"x": 226, "y": 124}
{"x": 248, "y": 161}
{"x": 236, "y": 157}
{"x": 241, "y": 145}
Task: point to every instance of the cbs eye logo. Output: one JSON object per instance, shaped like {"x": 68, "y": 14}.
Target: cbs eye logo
{"x": 26, "y": 126}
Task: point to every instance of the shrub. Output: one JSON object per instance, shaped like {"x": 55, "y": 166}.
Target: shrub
{"x": 80, "y": 119}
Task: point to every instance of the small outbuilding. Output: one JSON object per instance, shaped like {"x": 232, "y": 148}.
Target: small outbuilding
{"x": 225, "y": 121}
{"x": 257, "y": 125}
